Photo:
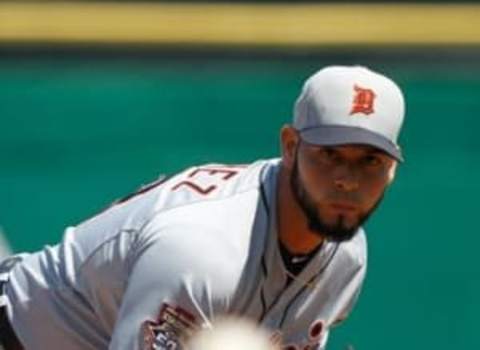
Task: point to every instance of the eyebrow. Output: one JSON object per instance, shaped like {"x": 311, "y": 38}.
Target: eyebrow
{"x": 378, "y": 152}
{"x": 368, "y": 148}
{"x": 375, "y": 151}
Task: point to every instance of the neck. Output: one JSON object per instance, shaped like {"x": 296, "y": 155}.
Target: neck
{"x": 292, "y": 223}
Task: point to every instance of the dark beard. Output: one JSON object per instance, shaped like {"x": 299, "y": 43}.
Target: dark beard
{"x": 337, "y": 232}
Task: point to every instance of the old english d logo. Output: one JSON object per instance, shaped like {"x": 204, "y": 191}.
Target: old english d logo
{"x": 363, "y": 101}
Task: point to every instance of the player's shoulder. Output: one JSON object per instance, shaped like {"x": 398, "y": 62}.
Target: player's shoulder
{"x": 225, "y": 222}
{"x": 219, "y": 196}
{"x": 190, "y": 188}
{"x": 200, "y": 252}
{"x": 196, "y": 246}
{"x": 211, "y": 182}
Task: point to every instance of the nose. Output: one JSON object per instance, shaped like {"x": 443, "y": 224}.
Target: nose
{"x": 346, "y": 180}
{"x": 346, "y": 185}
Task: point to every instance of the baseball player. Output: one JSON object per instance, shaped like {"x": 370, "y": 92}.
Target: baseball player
{"x": 279, "y": 241}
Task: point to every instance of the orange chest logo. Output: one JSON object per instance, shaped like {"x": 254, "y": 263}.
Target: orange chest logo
{"x": 363, "y": 101}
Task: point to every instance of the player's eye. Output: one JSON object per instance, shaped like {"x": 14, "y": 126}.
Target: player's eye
{"x": 328, "y": 154}
{"x": 372, "y": 161}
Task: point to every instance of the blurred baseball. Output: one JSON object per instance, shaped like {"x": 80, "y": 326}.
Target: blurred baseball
{"x": 232, "y": 334}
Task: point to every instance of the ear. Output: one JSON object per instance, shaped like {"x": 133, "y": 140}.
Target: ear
{"x": 392, "y": 172}
{"x": 289, "y": 138}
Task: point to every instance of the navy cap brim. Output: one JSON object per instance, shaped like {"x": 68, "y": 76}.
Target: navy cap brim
{"x": 335, "y": 135}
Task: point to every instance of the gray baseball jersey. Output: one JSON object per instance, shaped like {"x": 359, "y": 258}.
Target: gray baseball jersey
{"x": 175, "y": 256}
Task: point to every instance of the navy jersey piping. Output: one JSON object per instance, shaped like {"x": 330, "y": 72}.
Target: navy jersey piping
{"x": 324, "y": 267}
{"x": 263, "y": 197}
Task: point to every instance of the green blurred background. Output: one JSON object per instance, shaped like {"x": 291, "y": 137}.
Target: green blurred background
{"x": 81, "y": 128}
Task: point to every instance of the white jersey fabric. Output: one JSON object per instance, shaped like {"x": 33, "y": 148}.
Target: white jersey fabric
{"x": 175, "y": 256}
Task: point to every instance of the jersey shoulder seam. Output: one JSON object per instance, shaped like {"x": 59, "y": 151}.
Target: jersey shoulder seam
{"x": 102, "y": 244}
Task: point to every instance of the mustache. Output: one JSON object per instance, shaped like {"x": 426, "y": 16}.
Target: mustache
{"x": 349, "y": 197}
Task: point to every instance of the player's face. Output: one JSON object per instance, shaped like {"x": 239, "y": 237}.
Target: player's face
{"x": 339, "y": 187}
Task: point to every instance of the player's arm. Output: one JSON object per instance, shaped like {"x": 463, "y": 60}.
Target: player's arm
{"x": 346, "y": 302}
{"x": 322, "y": 343}
{"x": 174, "y": 286}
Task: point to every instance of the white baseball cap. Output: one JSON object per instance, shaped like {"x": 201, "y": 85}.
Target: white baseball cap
{"x": 350, "y": 105}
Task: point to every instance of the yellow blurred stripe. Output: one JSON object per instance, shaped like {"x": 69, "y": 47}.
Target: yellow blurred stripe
{"x": 239, "y": 24}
